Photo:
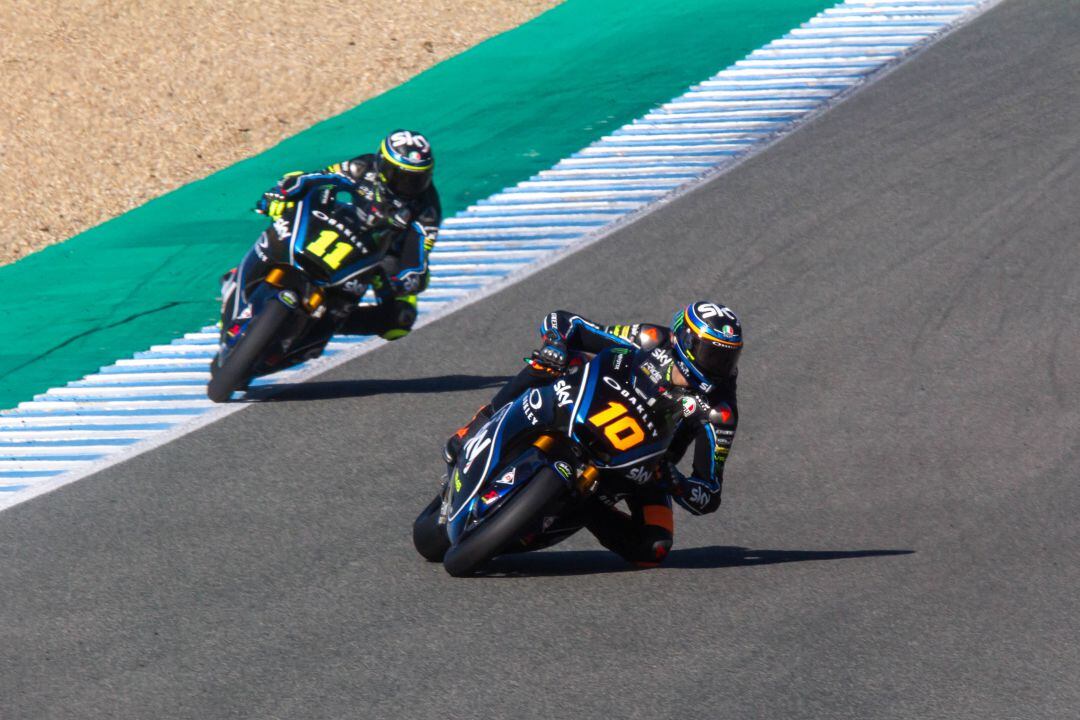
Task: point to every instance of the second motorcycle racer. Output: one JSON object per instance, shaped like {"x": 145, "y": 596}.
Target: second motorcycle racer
{"x": 397, "y": 184}
{"x": 363, "y": 227}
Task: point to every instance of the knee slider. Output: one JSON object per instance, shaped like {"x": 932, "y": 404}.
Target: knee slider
{"x": 402, "y": 317}
{"x": 405, "y": 312}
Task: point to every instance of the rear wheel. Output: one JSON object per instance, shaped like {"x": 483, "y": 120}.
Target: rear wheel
{"x": 428, "y": 536}
{"x": 235, "y": 372}
{"x": 495, "y": 533}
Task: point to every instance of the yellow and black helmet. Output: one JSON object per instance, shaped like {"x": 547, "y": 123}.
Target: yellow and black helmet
{"x": 405, "y": 163}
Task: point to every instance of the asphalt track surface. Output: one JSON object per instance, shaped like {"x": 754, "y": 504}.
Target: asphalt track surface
{"x": 898, "y": 537}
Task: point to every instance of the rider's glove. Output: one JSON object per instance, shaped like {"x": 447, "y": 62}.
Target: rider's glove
{"x": 669, "y": 478}
{"x": 398, "y": 215}
{"x": 551, "y": 356}
{"x": 692, "y": 494}
{"x": 372, "y": 215}
{"x": 273, "y": 204}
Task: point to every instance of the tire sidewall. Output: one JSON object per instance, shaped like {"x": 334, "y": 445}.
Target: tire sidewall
{"x": 235, "y": 372}
{"x": 491, "y": 536}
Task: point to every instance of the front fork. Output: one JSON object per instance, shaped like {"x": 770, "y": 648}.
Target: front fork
{"x": 584, "y": 478}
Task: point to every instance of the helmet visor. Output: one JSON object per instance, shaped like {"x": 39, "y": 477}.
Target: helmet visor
{"x": 715, "y": 360}
{"x": 404, "y": 182}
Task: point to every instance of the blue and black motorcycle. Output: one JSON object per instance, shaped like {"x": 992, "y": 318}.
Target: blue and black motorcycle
{"x": 303, "y": 276}
{"x": 521, "y": 481}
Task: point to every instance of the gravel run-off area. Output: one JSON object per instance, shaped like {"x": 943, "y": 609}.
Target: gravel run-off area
{"x": 108, "y": 104}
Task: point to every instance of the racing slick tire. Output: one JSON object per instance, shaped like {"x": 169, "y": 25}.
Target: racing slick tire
{"x": 495, "y": 533}
{"x": 235, "y": 373}
{"x": 428, "y": 536}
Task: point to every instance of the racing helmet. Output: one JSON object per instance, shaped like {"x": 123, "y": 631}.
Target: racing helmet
{"x": 405, "y": 163}
{"x": 707, "y": 339}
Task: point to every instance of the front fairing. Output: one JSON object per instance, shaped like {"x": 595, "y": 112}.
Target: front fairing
{"x": 498, "y": 457}
{"x": 619, "y": 417}
{"x": 302, "y": 337}
{"x": 332, "y": 249}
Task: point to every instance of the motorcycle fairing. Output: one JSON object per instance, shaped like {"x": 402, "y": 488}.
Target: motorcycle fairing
{"x": 609, "y": 383}
{"x": 570, "y": 406}
{"x": 481, "y": 464}
{"x": 251, "y": 305}
{"x": 314, "y": 225}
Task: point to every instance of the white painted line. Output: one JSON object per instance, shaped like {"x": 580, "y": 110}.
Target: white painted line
{"x": 33, "y": 451}
{"x": 134, "y": 377}
{"x": 563, "y": 220}
{"x": 585, "y": 184}
{"x": 79, "y": 434}
{"x": 115, "y": 405}
{"x": 609, "y": 157}
{"x": 158, "y": 362}
{"x": 500, "y": 268}
{"x": 15, "y": 422}
{"x": 650, "y": 171}
{"x": 8, "y": 465}
{"x": 539, "y": 231}
{"x": 478, "y": 245}
{"x": 550, "y": 195}
{"x": 114, "y": 391}
{"x": 451, "y": 255}
{"x": 549, "y": 206}
{"x": 184, "y": 349}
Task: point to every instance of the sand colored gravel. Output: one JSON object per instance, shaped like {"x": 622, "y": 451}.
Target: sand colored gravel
{"x": 106, "y": 104}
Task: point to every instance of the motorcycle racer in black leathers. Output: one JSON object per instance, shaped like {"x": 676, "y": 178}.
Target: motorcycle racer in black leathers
{"x": 698, "y": 358}
{"x": 395, "y": 185}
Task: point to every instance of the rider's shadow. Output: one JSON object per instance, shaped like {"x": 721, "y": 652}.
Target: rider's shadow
{"x": 338, "y": 389}
{"x": 591, "y": 562}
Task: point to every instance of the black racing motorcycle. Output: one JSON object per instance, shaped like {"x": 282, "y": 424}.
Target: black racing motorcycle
{"x": 521, "y": 480}
{"x": 295, "y": 286}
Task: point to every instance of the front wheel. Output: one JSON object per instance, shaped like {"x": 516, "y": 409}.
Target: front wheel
{"x": 235, "y": 372}
{"x": 495, "y": 533}
{"x": 428, "y": 536}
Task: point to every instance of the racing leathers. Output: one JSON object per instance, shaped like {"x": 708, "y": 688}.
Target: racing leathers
{"x": 645, "y": 536}
{"x": 414, "y": 224}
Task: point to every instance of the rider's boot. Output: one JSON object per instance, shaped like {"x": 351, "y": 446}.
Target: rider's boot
{"x": 454, "y": 444}
{"x": 228, "y": 286}
{"x": 228, "y": 283}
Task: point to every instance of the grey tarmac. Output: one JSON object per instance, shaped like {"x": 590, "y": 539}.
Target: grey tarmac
{"x": 898, "y": 537}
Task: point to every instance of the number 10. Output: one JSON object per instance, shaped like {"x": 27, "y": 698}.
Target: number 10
{"x": 623, "y": 433}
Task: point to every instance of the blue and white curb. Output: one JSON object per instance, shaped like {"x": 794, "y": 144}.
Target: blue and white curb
{"x": 144, "y": 401}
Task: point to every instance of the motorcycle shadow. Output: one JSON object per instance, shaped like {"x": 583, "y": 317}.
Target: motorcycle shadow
{"x": 340, "y": 389}
{"x": 593, "y": 562}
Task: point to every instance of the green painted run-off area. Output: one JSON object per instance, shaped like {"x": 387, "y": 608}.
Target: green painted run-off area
{"x": 496, "y": 114}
